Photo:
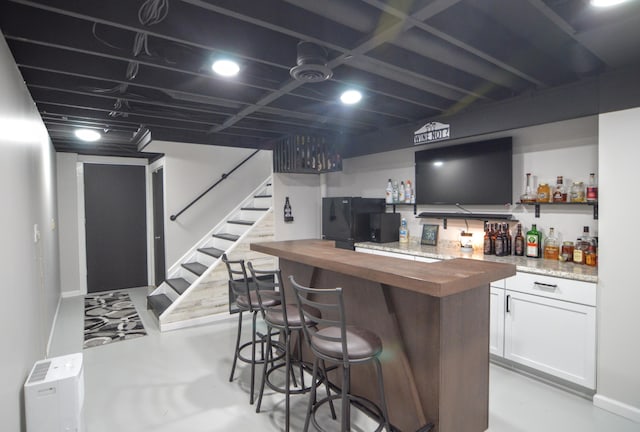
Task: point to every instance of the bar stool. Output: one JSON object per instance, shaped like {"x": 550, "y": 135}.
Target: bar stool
{"x": 339, "y": 343}
{"x": 286, "y": 320}
{"x": 247, "y": 300}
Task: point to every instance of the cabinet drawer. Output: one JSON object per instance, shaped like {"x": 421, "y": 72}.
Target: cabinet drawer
{"x": 552, "y": 287}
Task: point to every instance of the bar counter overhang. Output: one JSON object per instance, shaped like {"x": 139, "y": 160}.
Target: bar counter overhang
{"x": 433, "y": 319}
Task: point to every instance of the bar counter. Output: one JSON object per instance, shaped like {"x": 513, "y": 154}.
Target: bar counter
{"x": 433, "y": 320}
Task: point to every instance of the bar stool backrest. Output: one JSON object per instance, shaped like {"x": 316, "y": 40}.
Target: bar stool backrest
{"x": 269, "y": 287}
{"x": 330, "y": 305}
{"x": 239, "y": 281}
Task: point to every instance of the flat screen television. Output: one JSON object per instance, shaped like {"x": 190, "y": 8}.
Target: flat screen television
{"x": 473, "y": 173}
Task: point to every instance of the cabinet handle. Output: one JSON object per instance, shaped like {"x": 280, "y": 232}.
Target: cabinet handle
{"x": 546, "y": 286}
{"x": 508, "y": 302}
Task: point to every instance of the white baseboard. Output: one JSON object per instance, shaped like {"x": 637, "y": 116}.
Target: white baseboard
{"x": 67, "y": 294}
{"x": 53, "y": 327}
{"x": 617, "y": 407}
{"x": 196, "y": 321}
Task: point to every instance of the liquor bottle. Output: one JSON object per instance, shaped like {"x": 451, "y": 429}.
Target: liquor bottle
{"x": 500, "y": 242}
{"x": 487, "y": 240}
{"x": 401, "y": 192}
{"x": 394, "y": 193}
{"x": 528, "y": 196}
{"x": 288, "y": 215}
{"x": 559, "y": 193}
{"x": 584, "y": 242}
{"x": 388, "y": 196}
{"x": 492, "y": 239}
{"x": 551, "y": 246}
{"x": 407, "y": 192}
{"x": 592, "y": 188}
{"x": 507, "y": 233}
{"x": 533, "y": 242}
{"x": 403, "y": 232}
{"x": 518, "y": 247}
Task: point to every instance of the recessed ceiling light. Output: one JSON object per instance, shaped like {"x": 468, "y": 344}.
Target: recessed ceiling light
{"x": 227, "y": 68}
{"x": 88, "y": 134}
{"x": 606, "y": 3}
{"x": 350, "y": 97}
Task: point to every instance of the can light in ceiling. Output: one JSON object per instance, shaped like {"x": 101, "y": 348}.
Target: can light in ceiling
{"x": 607, "y": 3}
{"x": 88, "y": 135}
{"x": 226, "y": 68}
{"x": 350, "y": 97}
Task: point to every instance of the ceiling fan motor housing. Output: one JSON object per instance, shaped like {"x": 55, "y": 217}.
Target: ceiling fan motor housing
{"x": 311, "y": 63}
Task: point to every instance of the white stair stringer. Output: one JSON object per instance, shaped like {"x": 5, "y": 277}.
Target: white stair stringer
{"x": 206, "y": 298}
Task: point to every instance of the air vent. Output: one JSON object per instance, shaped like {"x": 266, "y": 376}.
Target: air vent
{"x": 311, "y": 64}
{"x": 39, "y": 372}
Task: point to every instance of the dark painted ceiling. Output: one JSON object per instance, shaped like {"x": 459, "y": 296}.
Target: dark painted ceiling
{"x": 102, "y": 64}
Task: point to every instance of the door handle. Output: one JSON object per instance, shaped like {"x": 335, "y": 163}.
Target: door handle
{"x": 507, "y": 305}
{"x": 158, "y": 237}
{"x": 545, "y": 286}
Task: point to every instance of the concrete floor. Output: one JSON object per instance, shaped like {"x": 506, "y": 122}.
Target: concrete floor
{"x": 178, "y": 382}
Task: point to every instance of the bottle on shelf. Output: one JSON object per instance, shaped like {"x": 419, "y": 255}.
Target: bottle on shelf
{"x": 518, "y": 242}
{"x": 403, "y": 232}
{"x": 559, "y": 193}
{"x": 551, "y": 246}
{"x": 388, "y": 196}
{"x": 407, "y": 192}
{"x": 577, "y": 192}
{"x": 544, "y": 193}
{"x": 401, "y": 192}
{"x": 533, "y": 242}
{"x": 394, "y": 193}
{"x": 566, "y": 255}
{"x": 528, "y": 196}
{"x": 592, "y": 188}
{"x": 507, "y": 233}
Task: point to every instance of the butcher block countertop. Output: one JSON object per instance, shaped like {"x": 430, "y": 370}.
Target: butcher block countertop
{"x": 438, "y": 279}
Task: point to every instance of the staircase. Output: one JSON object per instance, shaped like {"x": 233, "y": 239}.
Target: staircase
{"x": 200, "y": 276}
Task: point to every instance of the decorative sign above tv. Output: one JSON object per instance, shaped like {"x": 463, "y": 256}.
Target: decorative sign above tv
{"x": 473, "y": 173}
{"x": 432, "y": 132}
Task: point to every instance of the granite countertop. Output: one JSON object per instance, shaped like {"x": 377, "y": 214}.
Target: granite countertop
{"x": 523, "y": 264}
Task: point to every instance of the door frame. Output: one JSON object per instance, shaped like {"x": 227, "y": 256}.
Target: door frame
{"x": 82, "y": 235}
{"x": 150, "y": 225}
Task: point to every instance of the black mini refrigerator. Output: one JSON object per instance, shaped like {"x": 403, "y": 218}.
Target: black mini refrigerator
{"x": 384, "y": 227}
{"x": 346, "y": 219}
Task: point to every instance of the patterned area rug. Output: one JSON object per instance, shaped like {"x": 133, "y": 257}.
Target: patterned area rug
{"x": 109, "y": 318}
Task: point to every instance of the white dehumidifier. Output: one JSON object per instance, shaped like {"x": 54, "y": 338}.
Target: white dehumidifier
{"x": 54, "y": 395}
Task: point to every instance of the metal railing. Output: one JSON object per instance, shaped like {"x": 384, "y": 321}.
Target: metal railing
{"x": 222, "y": 178}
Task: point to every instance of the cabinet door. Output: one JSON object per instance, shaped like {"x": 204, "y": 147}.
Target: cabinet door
{"x": 496, "y": 322}
{"x": 553, "y": 336}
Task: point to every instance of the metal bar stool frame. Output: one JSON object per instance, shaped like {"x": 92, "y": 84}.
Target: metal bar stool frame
{"x": 247, "y": 299}
{"x": 336, "y": 331}
{"x": 278, "y": 320}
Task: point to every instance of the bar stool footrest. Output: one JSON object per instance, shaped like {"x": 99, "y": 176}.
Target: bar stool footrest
{"x": 367, "y": 406}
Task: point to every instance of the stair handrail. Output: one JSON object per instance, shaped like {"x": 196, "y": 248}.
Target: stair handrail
{"x": 222, "y": 178}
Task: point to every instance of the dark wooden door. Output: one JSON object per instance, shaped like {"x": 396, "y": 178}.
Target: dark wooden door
{"x": 115, "y": 226}
{"x": 158, "y": 226}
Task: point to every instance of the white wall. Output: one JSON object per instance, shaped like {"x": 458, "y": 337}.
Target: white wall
{"x": 30, "y": 277}
{"x": 304, "y": 194}
{"x": 67, "y": 185}
{"x": 568, "y": 148}
{"x": 189, "y": 169}
{"x": 618, "y": 285}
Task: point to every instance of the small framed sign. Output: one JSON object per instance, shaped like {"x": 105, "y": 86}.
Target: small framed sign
{"x": 429, "y": 235}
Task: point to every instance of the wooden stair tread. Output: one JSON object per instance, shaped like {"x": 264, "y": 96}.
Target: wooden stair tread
{"x": 179, "y": 285}
{"x": 211, "y": 251}
{"x": 226, "y": 236}
{"x": 241, "y": 222}
{"x": 158, "y": 303}
{"x": 195, "y": 267}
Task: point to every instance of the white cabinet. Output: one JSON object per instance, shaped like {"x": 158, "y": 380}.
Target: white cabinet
{"x": 496, "y": 321}
{"x": 550, "y": 325}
